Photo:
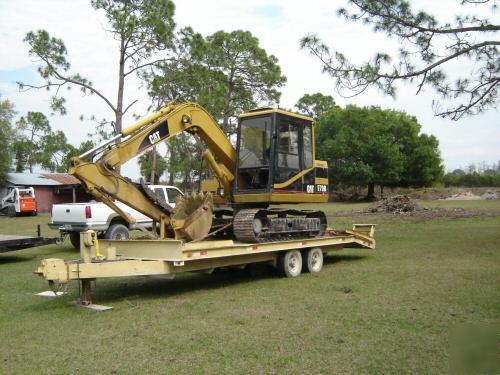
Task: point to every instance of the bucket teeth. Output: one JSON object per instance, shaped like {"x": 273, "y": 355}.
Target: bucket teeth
{"x": 193, "y": 216}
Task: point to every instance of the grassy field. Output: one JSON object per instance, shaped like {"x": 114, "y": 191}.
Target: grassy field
{"x": 425, "y": 278}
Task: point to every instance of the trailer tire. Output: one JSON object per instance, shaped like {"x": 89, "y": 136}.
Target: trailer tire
{"x": 290, "y": 263}
{"x": 11, "y": 211}
{"x": 74, "y": 238}
{"x": 117, "y": 232}
{"x": 313, "y": 260}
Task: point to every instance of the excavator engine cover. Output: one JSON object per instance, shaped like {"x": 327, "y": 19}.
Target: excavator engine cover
{"x": 192, "y": 218}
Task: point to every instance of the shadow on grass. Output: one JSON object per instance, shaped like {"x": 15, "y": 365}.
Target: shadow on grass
{"x": 184, "y": 284}
{"x": 32, "y": 253}
{"x": 336, "y": 258}
{"x": 7, "y": 258}
{"x": 148, "y": 288}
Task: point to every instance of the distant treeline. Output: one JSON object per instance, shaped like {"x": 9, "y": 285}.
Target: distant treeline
{"x": 474, "y": 176}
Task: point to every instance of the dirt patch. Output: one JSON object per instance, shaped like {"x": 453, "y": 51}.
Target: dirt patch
{"x": 454, "y": 213}
{"x": 464, "y": 196}
{"x": 402, "y": 205}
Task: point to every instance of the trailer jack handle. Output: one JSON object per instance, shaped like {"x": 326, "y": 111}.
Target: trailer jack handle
{"x": 96, "y": 245}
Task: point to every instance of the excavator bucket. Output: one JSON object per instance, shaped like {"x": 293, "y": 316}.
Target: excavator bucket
{"x": 192, "y": 218}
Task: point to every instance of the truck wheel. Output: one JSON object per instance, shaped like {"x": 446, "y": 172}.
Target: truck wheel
{"x": 117, "y": 232}
{"x": 314, "y": 260}
{"x": 11, "y": 211}
{"x": 74, "y": 238}
{"x": 290, "y": 263}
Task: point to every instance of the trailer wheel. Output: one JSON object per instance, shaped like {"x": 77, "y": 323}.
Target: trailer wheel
{"x": 314, "y": 260}
{"x": 290, "y": 263}
{"x": 11, "y": 211}
{"x": 74, "y": 238}
{"x": 117, "y": 232}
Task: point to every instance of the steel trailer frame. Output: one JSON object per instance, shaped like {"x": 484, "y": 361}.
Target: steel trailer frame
{"x": 145, "y": 257}
{"x": 15, "y": 242}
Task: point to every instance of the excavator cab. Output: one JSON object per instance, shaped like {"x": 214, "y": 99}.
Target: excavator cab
{"x": 275, "y": 159}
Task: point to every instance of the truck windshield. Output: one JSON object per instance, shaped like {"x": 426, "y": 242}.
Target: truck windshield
{"x": 255, "y": 142}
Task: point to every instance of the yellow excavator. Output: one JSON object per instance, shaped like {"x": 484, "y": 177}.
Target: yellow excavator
{"x": 273, "y": 164}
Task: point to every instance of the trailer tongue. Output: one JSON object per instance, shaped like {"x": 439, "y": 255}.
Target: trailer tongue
{"x": 145, "y": 257}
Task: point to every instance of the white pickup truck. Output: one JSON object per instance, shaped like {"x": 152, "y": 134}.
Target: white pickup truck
{"x": 73, "y": 218}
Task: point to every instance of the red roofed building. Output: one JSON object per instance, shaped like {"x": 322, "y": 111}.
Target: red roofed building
{"x": 50, "y": 188}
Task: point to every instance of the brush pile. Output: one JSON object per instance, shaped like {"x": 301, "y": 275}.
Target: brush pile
{"x": 398, "y": 204}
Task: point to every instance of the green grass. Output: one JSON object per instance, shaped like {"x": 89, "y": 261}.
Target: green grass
{"x": 424, "y": 278}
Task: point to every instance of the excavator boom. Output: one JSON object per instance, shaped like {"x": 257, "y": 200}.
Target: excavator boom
{"x": 102, "y": 180}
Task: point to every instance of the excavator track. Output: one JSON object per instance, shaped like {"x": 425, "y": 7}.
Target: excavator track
{"x": 155, "y": 198}
{"x": 264, "y": 225}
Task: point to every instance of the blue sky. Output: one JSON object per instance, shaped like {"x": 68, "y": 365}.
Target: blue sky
{"x": 22, "y": 74}
{"x": 267, "y": 10}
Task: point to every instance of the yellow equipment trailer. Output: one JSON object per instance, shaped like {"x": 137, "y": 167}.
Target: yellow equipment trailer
{"x": 167, "y": 257}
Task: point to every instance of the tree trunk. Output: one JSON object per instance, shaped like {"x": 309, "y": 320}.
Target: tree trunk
{"x": 119, "y": 100}
{"x": 121, "y": 84}
{"x": 371, "y": 191}
{"x": 153, "y": 166}
{"x": 230, "y": 87}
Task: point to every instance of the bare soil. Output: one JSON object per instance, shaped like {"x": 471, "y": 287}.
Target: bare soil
{"x": 402, "y": 205}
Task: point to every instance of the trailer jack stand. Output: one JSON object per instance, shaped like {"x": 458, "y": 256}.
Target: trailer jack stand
{"x": 85, "y": 297}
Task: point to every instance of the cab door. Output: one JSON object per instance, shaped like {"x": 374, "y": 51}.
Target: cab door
{"x": 293, "y": 154}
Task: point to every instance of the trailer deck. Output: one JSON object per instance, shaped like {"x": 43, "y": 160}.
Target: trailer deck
{"x": 14, "y": 242}
{"x": 146, "y": 257}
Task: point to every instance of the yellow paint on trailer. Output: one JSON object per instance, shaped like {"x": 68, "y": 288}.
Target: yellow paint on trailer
{"x": 164, "y": 257}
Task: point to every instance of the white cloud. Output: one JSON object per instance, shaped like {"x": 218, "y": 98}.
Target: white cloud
{"x": 279, "y": 25}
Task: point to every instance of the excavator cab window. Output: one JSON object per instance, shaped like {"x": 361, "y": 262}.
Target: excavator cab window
{"x": 254, "y": 149}
{"x": 288, "y": 156}
{"x": 273, "y": 149}
{"x": 294, "y": 151}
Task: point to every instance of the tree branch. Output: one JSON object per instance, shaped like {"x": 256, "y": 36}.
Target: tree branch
{"x": 70, "y": 80}
{"x": 407, "y": 23}
{"x": 145, "y": 65}
{"x": 128, "y": 107}
{"x": 442, "y": 61}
